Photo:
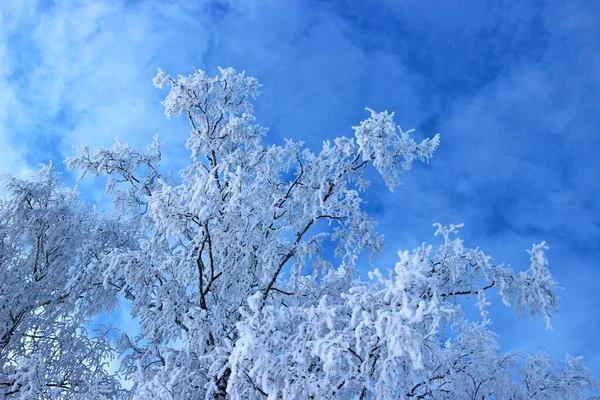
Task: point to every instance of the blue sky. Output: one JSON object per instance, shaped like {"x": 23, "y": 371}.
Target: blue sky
{"x": 513, "y": 87}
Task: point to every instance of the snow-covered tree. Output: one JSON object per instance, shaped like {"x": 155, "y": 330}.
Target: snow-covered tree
{"x": 236, "y": 294}
{"x": 51, "y": 284}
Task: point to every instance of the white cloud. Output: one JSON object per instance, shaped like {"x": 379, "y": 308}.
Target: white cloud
{"x": 80, "y": 72}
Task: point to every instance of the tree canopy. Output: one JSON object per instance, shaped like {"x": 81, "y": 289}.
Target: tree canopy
{"x": 227, "y": 269}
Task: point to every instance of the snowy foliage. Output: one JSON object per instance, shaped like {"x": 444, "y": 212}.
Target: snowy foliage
{"x": 51, "y": 283}
{"x": 228, "y": 273}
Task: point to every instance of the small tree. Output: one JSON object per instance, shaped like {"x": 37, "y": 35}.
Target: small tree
{"x": 236, "y": 298}
{"x": 51, "y": 284}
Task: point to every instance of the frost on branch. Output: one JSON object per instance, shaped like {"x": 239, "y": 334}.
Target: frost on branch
{"x": 389, "y": 338}
{"x": 124, "y": 165}
{"x": 379, "y": 139}
{"x": 237, "y": 297}
{"x": 219, "y": 109}
{"x": 51, "y": 248}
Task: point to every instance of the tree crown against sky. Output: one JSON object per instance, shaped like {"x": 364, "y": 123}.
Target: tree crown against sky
{"x": 229, "y": 271}
{"x": 51, "y": 284}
